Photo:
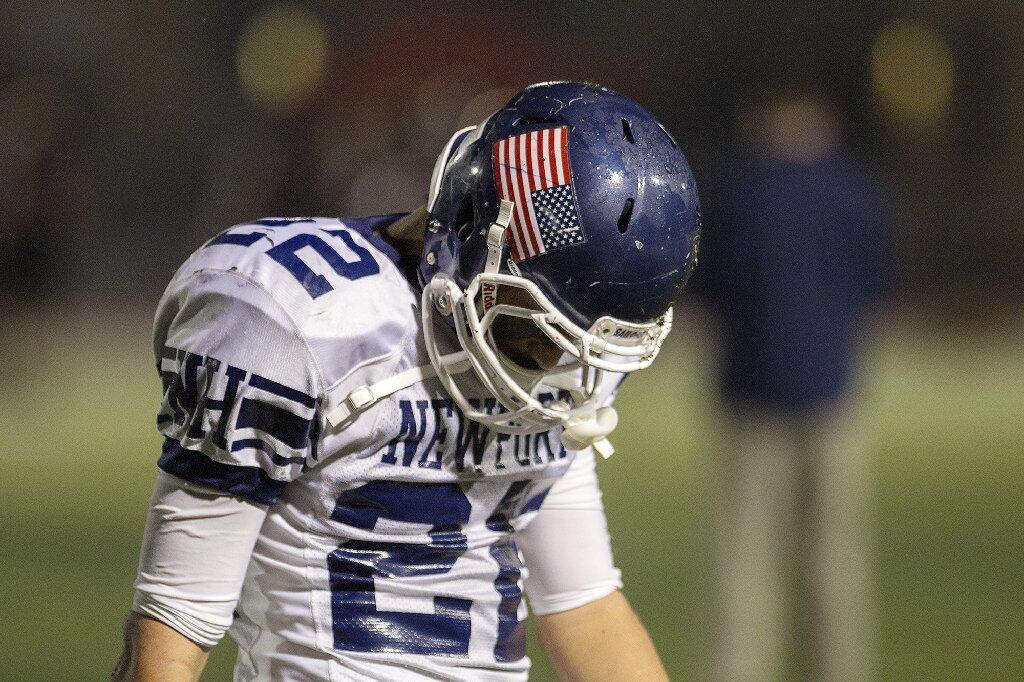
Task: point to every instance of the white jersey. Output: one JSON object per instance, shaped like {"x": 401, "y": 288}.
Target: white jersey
{"x": 388, "y": 551}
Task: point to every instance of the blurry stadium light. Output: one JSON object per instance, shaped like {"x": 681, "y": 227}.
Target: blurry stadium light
{"x": 282, "y": 56}
{"x": 912, "y": 73}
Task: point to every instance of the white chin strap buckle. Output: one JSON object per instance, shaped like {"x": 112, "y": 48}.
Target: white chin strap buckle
{"x": 591, "y": 431}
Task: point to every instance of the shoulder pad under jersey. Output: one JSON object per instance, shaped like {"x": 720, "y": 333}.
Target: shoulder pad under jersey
{"x": 340, "y": 283}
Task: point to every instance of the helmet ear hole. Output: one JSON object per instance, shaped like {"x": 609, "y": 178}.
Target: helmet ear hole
{"x": 464, "y": 221}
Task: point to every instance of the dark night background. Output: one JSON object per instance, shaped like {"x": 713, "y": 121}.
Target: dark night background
{"x": 130, "y": 132}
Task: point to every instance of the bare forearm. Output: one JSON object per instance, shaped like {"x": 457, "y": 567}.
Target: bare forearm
{"x": 602, "y": 640}
{"x": 154, "y": 652}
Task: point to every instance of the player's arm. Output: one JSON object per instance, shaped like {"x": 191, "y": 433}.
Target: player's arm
{"x": 155, "y": 651}
{"x": 195, "y": 551}
{"x": 239, "y": 421}
{"x": 586, "y": 625}
{"x": 601, "y": 640}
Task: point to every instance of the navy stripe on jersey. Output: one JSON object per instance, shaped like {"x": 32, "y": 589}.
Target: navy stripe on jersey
{"x": 252, "y": 483}
{"x": 263, "y": 446}
{"x": 287, "y": 427}
{"x": 184, "y": 401}
{"x": 270, "y": 386}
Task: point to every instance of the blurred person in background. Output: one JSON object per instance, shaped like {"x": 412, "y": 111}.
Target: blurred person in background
{"x": 792, "y": 264}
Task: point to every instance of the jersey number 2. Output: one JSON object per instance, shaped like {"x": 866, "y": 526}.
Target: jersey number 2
{"x": 287, "y": 254}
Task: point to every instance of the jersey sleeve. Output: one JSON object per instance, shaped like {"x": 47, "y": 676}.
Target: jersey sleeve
{"x": 195, "y": 551}
{"x": 566, "y": 546}
{"x": 241, "y": 387}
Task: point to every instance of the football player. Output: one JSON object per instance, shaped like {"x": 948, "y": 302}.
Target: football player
{"x": 377, "y": 431}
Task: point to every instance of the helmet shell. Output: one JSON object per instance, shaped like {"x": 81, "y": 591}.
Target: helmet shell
{"x": 634, "y": 191}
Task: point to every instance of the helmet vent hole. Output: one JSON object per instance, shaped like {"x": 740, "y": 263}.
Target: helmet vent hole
{"x": 464, "y": 221}
{"x": 627, "y": 132}
{"x": 627, "y": 213}
{"x": 535, "y": 121}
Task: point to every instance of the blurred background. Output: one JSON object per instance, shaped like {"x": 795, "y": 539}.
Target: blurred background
{"x": 131, "y": 132}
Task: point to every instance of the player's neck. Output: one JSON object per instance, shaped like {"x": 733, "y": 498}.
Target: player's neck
{"x": 406, "y": 233}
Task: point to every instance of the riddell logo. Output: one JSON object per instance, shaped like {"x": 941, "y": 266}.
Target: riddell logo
{"x": 490, "y": 295}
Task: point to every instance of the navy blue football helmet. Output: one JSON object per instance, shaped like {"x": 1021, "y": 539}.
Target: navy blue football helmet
{"x": 579, "y": 197}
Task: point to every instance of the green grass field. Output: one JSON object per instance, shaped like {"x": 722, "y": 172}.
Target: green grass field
{"x": 947, "y": 436}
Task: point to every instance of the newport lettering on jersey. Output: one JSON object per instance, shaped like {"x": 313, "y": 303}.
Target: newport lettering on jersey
{"x": 435, "y": 431}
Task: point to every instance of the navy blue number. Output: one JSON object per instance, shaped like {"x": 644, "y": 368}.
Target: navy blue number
{"x": 510, "y": 644}
{"x": 286, "y": 254}
{"x": 358, "y": 624}
{"x": 314, "y": 284}
{"x": 237, "y": 238}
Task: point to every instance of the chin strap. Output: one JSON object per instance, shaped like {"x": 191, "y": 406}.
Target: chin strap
{"x": 495, "y": 248}
{"x": 578, "y": 433}
{"x": 365, "y": 397}
{"x": 496, "y": 236}
{"x": 591, "y": 431}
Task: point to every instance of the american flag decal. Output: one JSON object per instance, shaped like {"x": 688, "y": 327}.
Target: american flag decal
{"x": 532, "y": 171}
